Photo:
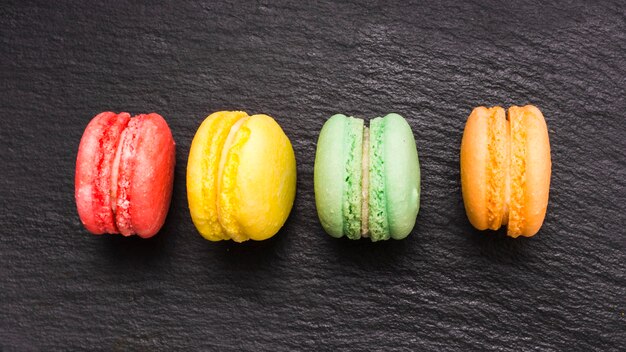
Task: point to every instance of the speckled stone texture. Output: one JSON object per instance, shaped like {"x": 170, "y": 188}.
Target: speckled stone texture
{"x": 446, "y": 287}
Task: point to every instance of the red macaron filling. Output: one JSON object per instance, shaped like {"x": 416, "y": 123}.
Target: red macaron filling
{"x": 122, "y": 177}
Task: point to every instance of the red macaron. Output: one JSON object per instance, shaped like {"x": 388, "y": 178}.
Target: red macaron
{"x": 125, "y": 174}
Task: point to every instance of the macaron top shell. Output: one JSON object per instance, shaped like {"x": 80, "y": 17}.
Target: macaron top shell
{"x": 241, "y": 177}
{"x": 484, "y": 154}
{"x": 329, "y": 172}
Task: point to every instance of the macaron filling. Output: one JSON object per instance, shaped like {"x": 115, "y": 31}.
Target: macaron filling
{"x": 365, "y": 180}
{"x": 122, "y": 175}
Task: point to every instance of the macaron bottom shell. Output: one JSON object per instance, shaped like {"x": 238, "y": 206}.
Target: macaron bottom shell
{"x": 241, "y": 177}
{"x": 402, "y": 174}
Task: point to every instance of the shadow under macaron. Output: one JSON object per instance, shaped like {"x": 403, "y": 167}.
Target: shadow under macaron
{"x": 249, "y": 255}
{"x": 497, "y": 247}
{"x": 364, "y": 253}
{"x": 134, "y": 252}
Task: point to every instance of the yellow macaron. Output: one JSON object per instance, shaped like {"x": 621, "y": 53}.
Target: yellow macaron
{"x": 241, "y": 177}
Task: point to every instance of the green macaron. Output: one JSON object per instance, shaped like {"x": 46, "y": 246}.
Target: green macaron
{"x": 367, "y": 181}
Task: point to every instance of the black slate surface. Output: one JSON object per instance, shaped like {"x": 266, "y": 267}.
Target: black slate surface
{"x": 446, "y": 287}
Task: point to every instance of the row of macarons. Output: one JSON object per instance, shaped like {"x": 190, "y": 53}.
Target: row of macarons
{"x": 241, "y": 174}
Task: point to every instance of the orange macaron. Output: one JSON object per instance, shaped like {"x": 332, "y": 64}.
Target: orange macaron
{"x": 505, "y": 169}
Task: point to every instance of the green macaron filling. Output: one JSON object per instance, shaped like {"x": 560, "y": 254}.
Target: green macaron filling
{"x": 378, "y": 222}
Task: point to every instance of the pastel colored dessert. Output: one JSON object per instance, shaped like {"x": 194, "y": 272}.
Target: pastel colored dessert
{"x": 505, "y": 169}
{"x": 367, "y": 181}
{"x": 241, "y": 177}
{"x": 124, "y": 174}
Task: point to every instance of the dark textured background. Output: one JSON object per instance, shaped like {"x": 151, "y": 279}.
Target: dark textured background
{"x": 446, "y": 287}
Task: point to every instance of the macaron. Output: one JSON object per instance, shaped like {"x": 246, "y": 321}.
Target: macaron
{"x": 505, "y": 169}
{"x": 367, "y": 180}
{"x": 241, "y": 177}
{"x": 124, "y": 174}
